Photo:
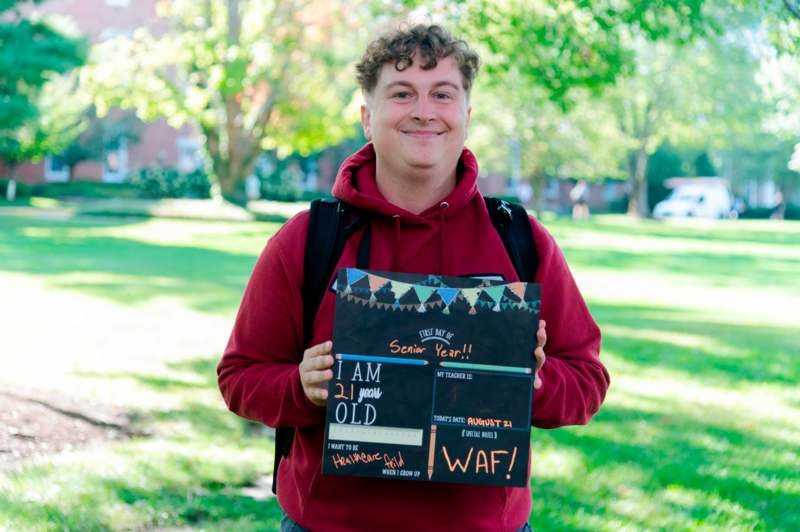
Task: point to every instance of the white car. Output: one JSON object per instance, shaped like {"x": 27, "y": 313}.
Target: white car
{"x": 696, "y": 201}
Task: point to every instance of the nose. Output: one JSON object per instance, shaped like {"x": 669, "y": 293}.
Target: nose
{"x": 423, "y": 110}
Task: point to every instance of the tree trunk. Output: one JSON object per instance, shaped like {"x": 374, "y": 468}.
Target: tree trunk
{"x": 637, "y": 174}
{"x": 231, "y": 177}
{"x": 11, "y": 188}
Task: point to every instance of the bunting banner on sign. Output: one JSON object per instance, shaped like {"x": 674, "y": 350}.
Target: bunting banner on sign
{"x": 388, "y": 294}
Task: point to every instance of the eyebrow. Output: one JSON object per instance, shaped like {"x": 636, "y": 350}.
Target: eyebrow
{"x": 411, "y": 86}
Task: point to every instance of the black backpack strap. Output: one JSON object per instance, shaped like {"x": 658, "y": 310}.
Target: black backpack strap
{"x": 511, "y": 222}
{"x": 330, "y": 224}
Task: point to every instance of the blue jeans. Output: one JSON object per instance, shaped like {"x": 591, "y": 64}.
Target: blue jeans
{"x": 287, "y": 525}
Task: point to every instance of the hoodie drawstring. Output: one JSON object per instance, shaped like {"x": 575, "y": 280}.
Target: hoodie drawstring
{"x": 443, "y": 206}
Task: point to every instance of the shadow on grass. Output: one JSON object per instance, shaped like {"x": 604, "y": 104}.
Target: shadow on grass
{"x": 732, "y": 269}
{"x": 212, "y": 506}
{"x": 784, "y": 232}
{"x": 208, "y": 280}
{"x": 746, "y": 354}
{"x": 178, "y": 492}
{"x": 201, "y": 419}
{"x": 650, "y": 470}
{"x": 161, "y": 384}
{"x": 204, "y": 368}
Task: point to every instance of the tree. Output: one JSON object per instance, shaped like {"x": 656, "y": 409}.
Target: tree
{"x": 60, "y": 119}
{"x": 250, "y": 75}
{"x": 703, "y": 95}
{"x": 560, "y": 46}
{"x": 32, "y": 52}
{"x": 541, "y": 140}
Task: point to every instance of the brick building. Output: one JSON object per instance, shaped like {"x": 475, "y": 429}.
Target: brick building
{"x": 100, "y": 20}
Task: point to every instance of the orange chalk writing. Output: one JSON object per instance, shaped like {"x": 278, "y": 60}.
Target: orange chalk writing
{"x": 393, "y": 462}
{"x": 413, "y": 349}
{"x": 341, "y": 394}
{"x": 485, "y": 462}
{"x": 489, "y": 422}
{"x": 457, "y": 463}
{"x": 445, "y": 352}
{"x": 340, "y": 460}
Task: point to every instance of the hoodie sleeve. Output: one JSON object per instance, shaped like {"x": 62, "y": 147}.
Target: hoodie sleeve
{"x": 574, "y": 381}
{"x": 259, "y": 373}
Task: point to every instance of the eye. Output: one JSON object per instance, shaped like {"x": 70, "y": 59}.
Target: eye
{"x": 443, "y": 96}
{"x": 401, "y": 95}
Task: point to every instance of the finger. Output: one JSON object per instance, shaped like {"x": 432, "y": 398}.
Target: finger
{"x": 540, "y": 357}
{"x": 313, "y": 378}
{"x": 320, "y": 362}
{"x": 537, "y": 382}
{"x": 320, "y": 349}
{"x": 319, "y": 393}
{"x": 541, "y": 334}
{"x": 318, "y": 396}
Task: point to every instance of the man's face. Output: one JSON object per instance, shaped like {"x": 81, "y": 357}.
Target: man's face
{"x": 417, "y": 119}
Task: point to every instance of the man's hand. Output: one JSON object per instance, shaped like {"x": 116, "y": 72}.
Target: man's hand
{"x": 315, "y": 372}
{"x": 541, "y": 339}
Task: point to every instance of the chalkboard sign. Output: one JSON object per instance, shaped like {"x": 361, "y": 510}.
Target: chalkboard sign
{"x": 432, "y": 378}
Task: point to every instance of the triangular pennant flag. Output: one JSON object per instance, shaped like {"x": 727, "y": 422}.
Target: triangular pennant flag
{"x": 396, "y": 304}
{"x": 376, "y": 283}
{"x": 471, "y": 295}
{"x": 400, "y": 289}
{"x": 518, "y": 289}
{"x": 335, "y": 285}
{"x": 446, "y": 310}
{"x": 495, "y": 292}
{"x": 447, "y": 294}
{"x": 354, "y": 275}
{"x": 473, "y": 311}
{"x": 347, "y": 290}
{"x": 423, "y": 292}
{"x": 372, "y": 299}
{"x": 496, "y": 308}
{"x": 421, "y": 308}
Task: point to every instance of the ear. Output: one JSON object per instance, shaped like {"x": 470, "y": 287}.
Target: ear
{"x": 466, "y": 128}
{"x": 365, "y": 121}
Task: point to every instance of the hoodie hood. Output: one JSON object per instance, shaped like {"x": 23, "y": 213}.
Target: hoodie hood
{"x": 355, "y": 184}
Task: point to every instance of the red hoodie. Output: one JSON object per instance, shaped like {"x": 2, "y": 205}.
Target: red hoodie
{"x": 260, "y": 380}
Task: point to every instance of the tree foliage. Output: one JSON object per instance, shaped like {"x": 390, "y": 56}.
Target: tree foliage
{"x": 33, "y": 53}
{"x": 250, "y": 75}
{"x": 702, "y": 95}
{"x": 563, "y": 45}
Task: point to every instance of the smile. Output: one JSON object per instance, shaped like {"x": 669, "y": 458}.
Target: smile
{"x": 423, "y": 134}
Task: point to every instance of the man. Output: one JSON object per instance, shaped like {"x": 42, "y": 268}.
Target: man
{"x": 420, "y": 185}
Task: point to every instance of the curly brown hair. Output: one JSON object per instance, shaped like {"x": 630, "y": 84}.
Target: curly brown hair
{"x": 401, "y": 45}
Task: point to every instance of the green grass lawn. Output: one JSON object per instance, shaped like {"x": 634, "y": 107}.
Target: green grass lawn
{"x": 700, "y": 428}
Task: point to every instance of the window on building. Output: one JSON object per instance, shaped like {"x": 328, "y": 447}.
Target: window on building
{"x": 55, "y": 169}
{"x": 190, "y": 154}
{"x": 115, "y": 162}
